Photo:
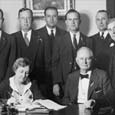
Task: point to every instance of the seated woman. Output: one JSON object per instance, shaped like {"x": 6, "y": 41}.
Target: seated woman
{"x": 21, "y": 89}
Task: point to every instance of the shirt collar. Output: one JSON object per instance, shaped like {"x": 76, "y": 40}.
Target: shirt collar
{"x": 77, "y": 36}
{"x": 13, "y": 86}
{"x": 89, "y": 73}
{"x": 49, "y": 30}
{"x": 28, "y": 34}
{"x": 105, "y": 33}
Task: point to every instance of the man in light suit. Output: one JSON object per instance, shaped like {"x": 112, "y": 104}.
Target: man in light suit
{"x": 87, "y": 86}
{"x": 66, "y": 47}
{"x": 50, "y": 33}
{"x": 28, "y": 43}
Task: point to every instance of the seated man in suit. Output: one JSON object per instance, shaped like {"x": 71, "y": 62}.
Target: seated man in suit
{"x": 88, "y": 86}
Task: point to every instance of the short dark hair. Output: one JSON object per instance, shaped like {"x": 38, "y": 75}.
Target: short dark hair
{"x": 20, "y": 62}
{"x": 104, "y": 11}
{"x": 25, "y": 9}
{"x": 50, "y": 8}
{"x": 72, "y": 11}
{"x": 2, "y": 13}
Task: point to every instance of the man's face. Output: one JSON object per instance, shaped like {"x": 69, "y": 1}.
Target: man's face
{"x": 111, "y": 29}
{"x": 1, "y": 20}
{"x": 84, "y": 59}
{"x": 51, "y": 18}
{"x": 25, "y": 20}
{"x": 72, "y": 21}
{"x": 102, "y": 21}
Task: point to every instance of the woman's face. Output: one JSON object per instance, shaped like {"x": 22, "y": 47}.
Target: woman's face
{"x": 21, "y": 74}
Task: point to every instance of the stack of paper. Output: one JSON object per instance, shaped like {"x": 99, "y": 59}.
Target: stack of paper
{"x": 40, "y": 104}
{"x": 49, "y": 104}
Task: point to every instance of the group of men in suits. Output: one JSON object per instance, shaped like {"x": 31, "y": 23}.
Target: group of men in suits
{"x": 52, "y": 51}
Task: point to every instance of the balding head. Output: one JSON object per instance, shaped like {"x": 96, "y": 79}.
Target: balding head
{"x": 84, "y": 58}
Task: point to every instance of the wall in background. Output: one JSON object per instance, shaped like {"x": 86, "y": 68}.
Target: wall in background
{"x": 87, "y": 8}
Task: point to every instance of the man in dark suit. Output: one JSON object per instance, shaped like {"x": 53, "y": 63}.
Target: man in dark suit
{"x": 28, "y": 43}
{"x": 65, "y": 50}
{"x": 50, "y": 34}
{"x": 102, "y": 41}
{"x": 87, "y": 86}
{"x": 111, "y": 29}
{"x": 5, "y": 54}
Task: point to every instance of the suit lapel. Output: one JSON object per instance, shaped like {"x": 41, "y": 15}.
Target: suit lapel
{"x": 109, "y": 40}
{"x": 3, "y": 41}
{"x": 82, "y": 41}
{"x": 76, "y": 83}
{"x": 34, "y": 43}
{"x": 69, "y": 42}
{"x": 92, "y": 84}
{"x": 47, "y": 45}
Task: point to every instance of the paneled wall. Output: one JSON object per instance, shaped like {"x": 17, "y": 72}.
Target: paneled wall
{"x": 87, "y": 8}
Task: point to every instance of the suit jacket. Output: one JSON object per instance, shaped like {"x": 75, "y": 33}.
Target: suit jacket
{"x": 99, "y": 86}
{"x": 47, "y": 73}
{"x": 64, "y": 57}
{"x": 4, "y": 54}
{"x": 112, "y": 69}
{"x": 6, "y": 59}
{"x": 102, "y": 51}
{"x": 33, "y": 52}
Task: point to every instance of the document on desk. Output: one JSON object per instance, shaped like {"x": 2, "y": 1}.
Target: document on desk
{"x": 23, "y": 107}
{"x": 49, "y": 104}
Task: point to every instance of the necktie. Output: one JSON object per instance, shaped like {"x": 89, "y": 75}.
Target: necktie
{"x": 102, "y": 35}
{"x": 26, "y": 39}
{"x": 51, "y": 41}
{"x": 74, "y": 41}
{"x": 83, "y": 76}
{"x": 52, "y": 34}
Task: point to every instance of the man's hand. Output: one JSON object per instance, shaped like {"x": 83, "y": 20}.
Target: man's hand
{"x": 56, "y": 90}
{"x": 89, "y": 104}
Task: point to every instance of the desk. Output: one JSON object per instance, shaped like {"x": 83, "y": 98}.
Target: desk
{"x": 70, "y": 110}
{"x": 79, "y": 110}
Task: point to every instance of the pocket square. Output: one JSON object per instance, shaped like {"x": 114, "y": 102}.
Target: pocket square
{"x": 112, "y": 44}
{"x": 91, "y": 84}
{"x": 98, "y": 91}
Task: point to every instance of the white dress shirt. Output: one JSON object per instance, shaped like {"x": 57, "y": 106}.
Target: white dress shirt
{"x": 49, "y": 30}
{"x": 28, "y": 34}
{"x": 83, "y": 88}
{"x": 105, "y": 34}
{"x": 77, "y": 36}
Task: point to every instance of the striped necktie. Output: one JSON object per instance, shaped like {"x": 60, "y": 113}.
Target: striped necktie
{"x": 74, "y": 41}
{"x": 26, "y": 38}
